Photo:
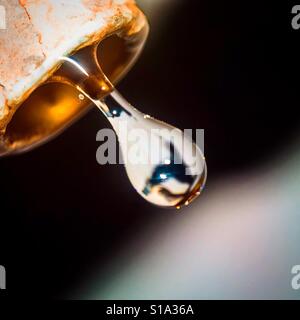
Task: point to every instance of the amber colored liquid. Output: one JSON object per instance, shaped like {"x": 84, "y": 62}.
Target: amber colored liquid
{"x": 55, "y": 105}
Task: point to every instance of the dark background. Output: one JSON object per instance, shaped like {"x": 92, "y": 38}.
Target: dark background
{"x": 212, "y": 65}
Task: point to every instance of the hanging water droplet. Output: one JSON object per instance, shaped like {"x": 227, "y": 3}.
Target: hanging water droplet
{"x": 171, "y": 176}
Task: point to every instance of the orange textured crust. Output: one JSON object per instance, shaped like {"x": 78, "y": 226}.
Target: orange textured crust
{"x": 40, "y": 30}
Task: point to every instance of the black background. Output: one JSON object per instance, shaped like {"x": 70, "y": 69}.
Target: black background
{"x": 228, "y": 68}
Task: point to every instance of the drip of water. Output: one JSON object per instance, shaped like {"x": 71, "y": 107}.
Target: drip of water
{"x": 173, "y": 170}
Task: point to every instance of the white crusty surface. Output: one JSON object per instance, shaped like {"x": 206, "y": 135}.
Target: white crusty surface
{"x": 40, "y": 31}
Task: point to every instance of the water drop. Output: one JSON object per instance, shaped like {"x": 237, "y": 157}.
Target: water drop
{"x": 170, "y": 176}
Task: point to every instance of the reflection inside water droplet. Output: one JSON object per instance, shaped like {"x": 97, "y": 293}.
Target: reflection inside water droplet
{"x": 175, "y": 172}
